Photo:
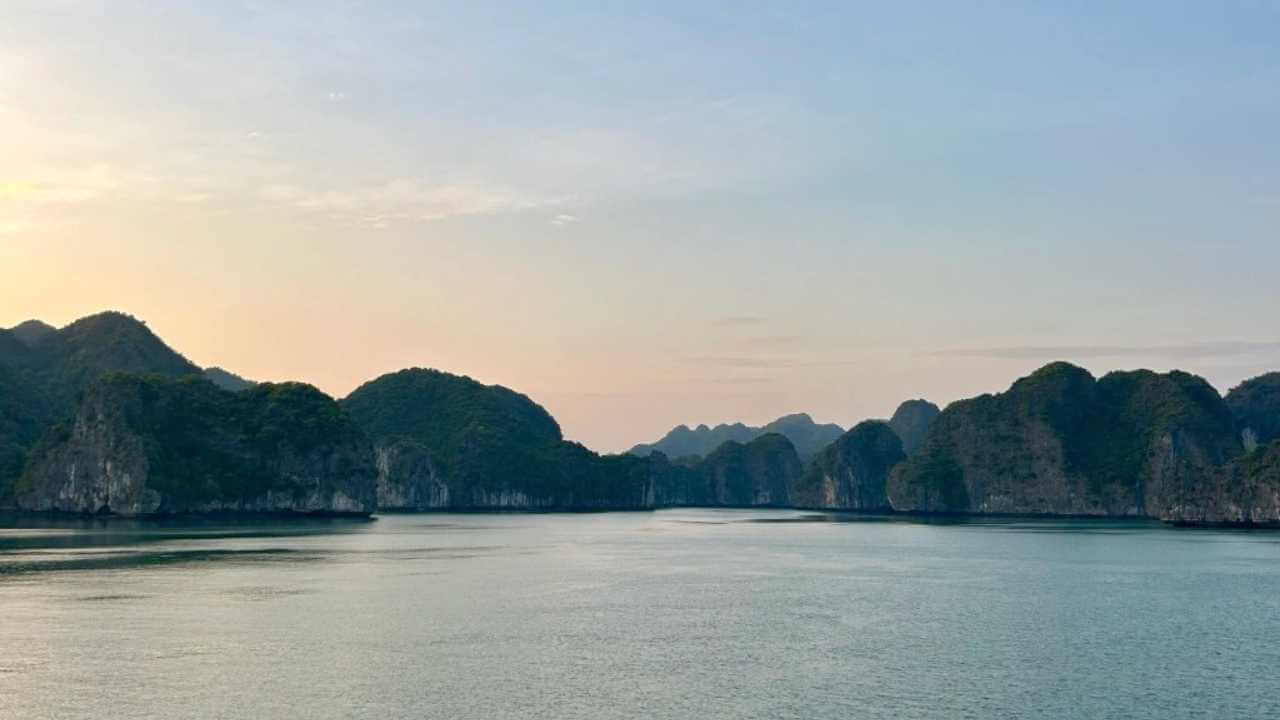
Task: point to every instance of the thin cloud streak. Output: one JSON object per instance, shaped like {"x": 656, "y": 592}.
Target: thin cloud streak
{"x": 403, "y": 199}
{"x": 771, "y": 341}
{"x": 1189, "y": 351}
{"x": 739, "y": 321}
{"x": 763, "y": 363}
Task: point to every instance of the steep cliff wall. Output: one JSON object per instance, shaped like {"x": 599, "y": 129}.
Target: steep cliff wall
{"x": 853, "y": 472}
{"x": 1243, "y": 492}
{"x": 1059, "y": 442}
{"x": 757, "y": 474}
{"x": 140, "y": 446}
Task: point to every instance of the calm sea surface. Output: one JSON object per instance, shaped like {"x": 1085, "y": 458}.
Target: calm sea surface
{"x": 674, "y": 614}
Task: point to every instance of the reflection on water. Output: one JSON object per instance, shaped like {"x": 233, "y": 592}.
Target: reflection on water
{"x": 675, "y": 614}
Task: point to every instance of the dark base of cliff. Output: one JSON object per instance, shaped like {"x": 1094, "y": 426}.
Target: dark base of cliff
{"x": 1223, "y": 525}
{"x": 214, "y": 514}
{"x": 485, "y": 510}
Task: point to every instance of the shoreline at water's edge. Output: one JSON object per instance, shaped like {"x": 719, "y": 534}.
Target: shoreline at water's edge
{"x": 961, "y": 515}
{"x": 882, "y": 512}
{"x": 485, "y": 510}
{"x": 319, "y": 514}
{"x": 473, "y": 510}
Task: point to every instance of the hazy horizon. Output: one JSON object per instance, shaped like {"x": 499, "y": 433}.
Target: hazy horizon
{"x": 648, "y": 217}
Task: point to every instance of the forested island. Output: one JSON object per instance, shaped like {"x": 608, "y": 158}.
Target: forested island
{"x": 102, "y": 417}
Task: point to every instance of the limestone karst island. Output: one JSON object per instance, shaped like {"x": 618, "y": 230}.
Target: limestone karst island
{"x": 102, "y": 417}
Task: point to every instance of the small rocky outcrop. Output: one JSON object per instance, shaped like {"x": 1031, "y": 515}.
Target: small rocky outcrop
{"x": 142, "y": 446}
{"x": 911, "y": 422}
{"x": 853, "y": 472}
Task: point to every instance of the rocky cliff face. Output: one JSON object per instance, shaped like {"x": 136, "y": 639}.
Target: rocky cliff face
{"x": 853, "y": 472}
{"x": 755, "y": 474}
{"x": 911, "y": 422}
{"x": 150, "y": 446}
{"x": 1255, "y": 404}
{"x": 408, "y": 478}
{"x": 42, "y": 371}
{"x": 676, "y": 483}
{"x": 562, "y": 477}
{"x": 1059, "y": 442}
{"x": 1243, "y": 492}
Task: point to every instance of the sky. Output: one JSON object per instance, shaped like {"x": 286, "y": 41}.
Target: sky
{"x": 646, "y": 214}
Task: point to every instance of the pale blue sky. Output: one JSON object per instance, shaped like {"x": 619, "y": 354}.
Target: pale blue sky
{"x": 691, "y": 212}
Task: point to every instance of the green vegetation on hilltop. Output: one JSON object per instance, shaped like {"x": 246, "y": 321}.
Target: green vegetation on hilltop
{"x": 1136, "y": 408}
{"x": 448, "y": 412}
{"x": 91, "y": 347}
{"x": 489, "y": 444}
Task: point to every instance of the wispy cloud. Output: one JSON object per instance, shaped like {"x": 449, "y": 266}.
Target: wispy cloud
{"x": 735, "y": 380}
{"x": 733, "y": 321}
{"x": 740, "y": 361}
{"x": 77, "y": 185}
{"x": 1068, "y": 352}
{"x": 770, "y": 341}
{"x": 403, "y": 199}
{"x": 764, "y": 362}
